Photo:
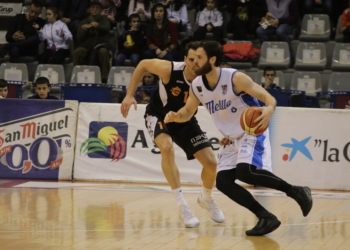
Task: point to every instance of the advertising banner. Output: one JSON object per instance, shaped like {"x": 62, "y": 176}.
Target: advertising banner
{"x": 312, "y": 147}
{"x": 37, "y": 138}
{"x": 110, "y": 147}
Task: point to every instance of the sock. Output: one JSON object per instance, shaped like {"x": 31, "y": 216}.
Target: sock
{"x": 179, "y": 196}
{"x": 207, "y": 193}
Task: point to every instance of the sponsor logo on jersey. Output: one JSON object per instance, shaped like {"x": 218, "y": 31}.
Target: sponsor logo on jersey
{"x": 199, "y": 88}
{"x": 178, "y": 81}
{"x": 175, "y": 91}
{"x": 224, "y": 89}
{"x": 220, "y": 105}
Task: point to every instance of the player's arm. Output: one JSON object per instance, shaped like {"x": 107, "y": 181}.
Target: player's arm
{"x": 158, "y": 67}
{"x": 185, "y": 113}
{"x": 243, "y": 83}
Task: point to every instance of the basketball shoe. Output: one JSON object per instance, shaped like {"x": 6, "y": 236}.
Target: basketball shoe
{"x": 266, "y": 224}
{"x": 187, "y": 216}
{"x": 302, "y": 195}
{"x": 213, "y": 209}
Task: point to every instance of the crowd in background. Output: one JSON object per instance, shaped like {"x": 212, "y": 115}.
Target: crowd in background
{"x": 151, "y": 29}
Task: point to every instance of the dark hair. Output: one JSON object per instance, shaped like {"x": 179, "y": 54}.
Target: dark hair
{"x": 212, "y": 48}
{"x": 132, "y": 16}
{"x": 37, "y": 4}
{"x": 192, "y": 45}
{"x": 147, "y": 4}
{"x": 155, "y": 80}
{"x": 42, "y": 80}
{"x": 55, "y": 11}
{"x": 165, "y": 17}
{"x": 3, "y": 83}
{"x": 269, "y": 68}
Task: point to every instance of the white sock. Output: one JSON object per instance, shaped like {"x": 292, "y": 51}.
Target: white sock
{"x": 207, "y": 193}
{"x": 179, "y": 196}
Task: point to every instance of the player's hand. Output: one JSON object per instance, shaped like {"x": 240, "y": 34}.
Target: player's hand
{"x": 126, "y": 104}
{"x": 265, "y": 117}
{"x": 171, "y": 117}
{"x": 224, "y": 142}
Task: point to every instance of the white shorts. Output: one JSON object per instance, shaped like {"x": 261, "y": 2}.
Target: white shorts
{"x": 254, "y": 150}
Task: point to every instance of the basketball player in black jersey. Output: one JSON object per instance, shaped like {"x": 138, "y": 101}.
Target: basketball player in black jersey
{"x": 171, "y": 95}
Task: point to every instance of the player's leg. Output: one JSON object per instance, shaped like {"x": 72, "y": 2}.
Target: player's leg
{"x": 160, "y": 136}
{"x": 207, "y": 158}
{"x": 254, "y": 165}
{"x": 196, "y": 145}
{"x": 225, "y": 182}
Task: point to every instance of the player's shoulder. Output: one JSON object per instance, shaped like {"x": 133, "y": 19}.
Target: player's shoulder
{"x": 178, "y": 65}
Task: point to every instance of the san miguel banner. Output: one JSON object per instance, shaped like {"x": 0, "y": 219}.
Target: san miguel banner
{"x": 312, "y": 147}
{"x": 37, "y": 138}
{"x": 110, "y": 147}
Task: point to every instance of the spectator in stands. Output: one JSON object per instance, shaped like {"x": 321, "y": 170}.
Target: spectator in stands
{"x": 93, "y": 31}
{"x": 72, "y": 12}
{"x": 56, "y": 34}
{"x": 281, "y": 16}
{"x": 132, "y": 43}
{"x": 327, "y": 5}
{"x": 177, "y": 13}
{"x": 141, "y": 7}
{"x": 21, "y": 35}
{"x": 42, "y": 89}
{"x": 148, "y": 80}
{"x": 162, "y": 36}
{"x": 109, "y": 10}
{"x": 4, "y": 88}
{"x": 245, "y": 17}
{"x": 269, "y": 75}
{"x": 346, "y": 24}
{"x": 210, "y": 20}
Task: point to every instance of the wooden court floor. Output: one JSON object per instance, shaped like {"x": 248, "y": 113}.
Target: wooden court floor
{"x": 38, "y": 215}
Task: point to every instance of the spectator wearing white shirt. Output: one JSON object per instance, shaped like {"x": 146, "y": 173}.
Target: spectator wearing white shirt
{"x": 177, "y": 13}
{"x": 142, "y": 8}
{"x": 56, "y": 34}
{"x": 210, "y": 20}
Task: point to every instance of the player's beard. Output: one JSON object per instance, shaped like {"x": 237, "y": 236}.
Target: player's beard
{"x": 205, "y": 69}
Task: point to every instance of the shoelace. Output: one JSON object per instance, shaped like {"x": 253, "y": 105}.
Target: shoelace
{"x": 213, "y": 207}
{"x": 186, "y": 212}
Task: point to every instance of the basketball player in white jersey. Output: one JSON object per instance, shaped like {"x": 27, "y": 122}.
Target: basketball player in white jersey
{"x": 226, "y": 93}
{"x": 171, "y": 95}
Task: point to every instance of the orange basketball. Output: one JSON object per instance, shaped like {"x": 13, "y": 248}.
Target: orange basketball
{"x": 247, "y": 121}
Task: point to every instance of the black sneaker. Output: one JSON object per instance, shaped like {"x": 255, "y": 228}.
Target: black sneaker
{"x": 266, "y": 224}
{"x": 302, "y": 195}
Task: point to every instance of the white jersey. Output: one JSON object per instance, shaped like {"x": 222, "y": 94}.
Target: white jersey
{"x": 224, "y": 105}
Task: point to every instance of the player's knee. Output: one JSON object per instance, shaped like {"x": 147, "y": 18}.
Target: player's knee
{"x": 166, "y": 149}
{"x": 211, "y": 165}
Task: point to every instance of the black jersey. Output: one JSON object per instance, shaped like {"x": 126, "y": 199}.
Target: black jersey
{"x": 171, "y": 96}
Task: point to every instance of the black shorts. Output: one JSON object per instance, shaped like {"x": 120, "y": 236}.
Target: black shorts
{"x": 188, "y": 136}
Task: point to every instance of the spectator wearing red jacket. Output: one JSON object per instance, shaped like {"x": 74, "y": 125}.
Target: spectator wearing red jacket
{"x": 346, "y": 24}
{"x": 162, "y": 36}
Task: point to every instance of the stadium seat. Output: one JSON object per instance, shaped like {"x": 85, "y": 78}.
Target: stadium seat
{"x": 86, "y": 74}
{"x": 55, "y": 74}
{"x": 311, "y": 56}
{"x": 315, "y": 28}
{"x": 310, "y": 82}
{"x": 341, "y": 57}
{"x": 275, "y": 54}
{"x": 120, "y": 76}
{"x": 339, "y": 82}
{"x": 339, "y": 37}
{"x": 279, "y": 79}
{"x": 17, "y": 76}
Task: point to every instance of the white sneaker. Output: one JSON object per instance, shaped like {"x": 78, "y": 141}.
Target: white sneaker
{"x": 213, "y": 209}
{"x": 187, "y": 216}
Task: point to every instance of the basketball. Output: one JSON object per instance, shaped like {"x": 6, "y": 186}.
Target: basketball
{"x": 247, "y": 121}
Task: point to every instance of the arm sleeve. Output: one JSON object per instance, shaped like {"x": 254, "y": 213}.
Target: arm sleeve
{"x": 67, "y": 34}
{"x": 219, "y": 20}
{"x": 201, "y": 19}
{"x": 104, "y": 25}
{"x": 82, "y": 34}
{"x": 174, "y": 34}
{"x": 42, "y": 35}
{"x": 148, "y": 13}
{"x": 131, "y": 7}
{"x": 11, "y": 29}
{"x": 183, "y": 14}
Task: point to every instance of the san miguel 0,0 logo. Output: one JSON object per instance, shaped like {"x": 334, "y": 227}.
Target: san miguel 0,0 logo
{"x": 35, "y": 142}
